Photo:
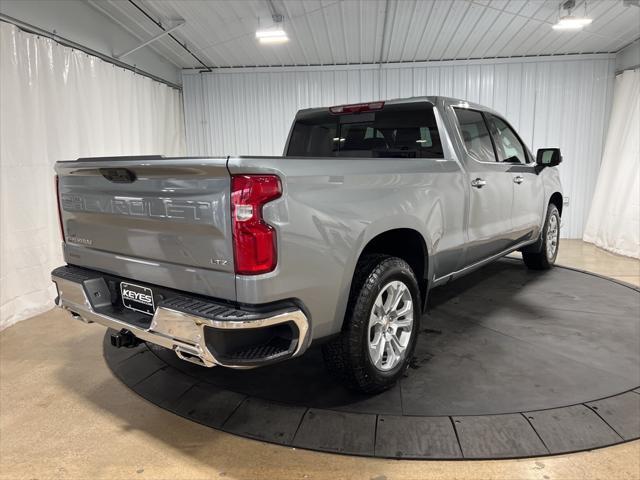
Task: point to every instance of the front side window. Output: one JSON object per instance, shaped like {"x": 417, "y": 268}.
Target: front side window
{"x": 395, "y": 131}
{"x": 475, "y": 134}
{"x": 509, "y": 146}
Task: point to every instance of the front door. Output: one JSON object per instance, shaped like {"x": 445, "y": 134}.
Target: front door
{"x": 490, "y": 184}
{"x": 528, "y": 191}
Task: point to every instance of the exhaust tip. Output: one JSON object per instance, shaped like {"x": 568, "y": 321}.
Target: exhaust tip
{"x": 77, "y": 316}
{"x": 192, "y": 357}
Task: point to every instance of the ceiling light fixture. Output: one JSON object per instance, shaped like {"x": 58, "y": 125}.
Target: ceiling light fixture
{"x": 571, "y": 22}
{"x": 273, "y": 33}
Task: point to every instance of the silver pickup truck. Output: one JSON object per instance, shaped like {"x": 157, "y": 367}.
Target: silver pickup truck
{"x": 245, "y": 261}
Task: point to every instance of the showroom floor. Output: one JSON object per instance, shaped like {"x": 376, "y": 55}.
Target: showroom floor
{"x": 64, "y": 415}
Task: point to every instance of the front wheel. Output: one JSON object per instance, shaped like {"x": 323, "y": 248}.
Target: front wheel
{"x": 381, "y": 326}
{"x": 546, "y": 257}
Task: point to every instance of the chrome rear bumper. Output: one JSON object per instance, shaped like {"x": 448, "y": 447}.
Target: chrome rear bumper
{"x": 87, "y": 297}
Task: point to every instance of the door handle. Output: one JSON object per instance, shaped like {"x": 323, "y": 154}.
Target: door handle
{"x": 478, "y": 183}
{"x": 518, "y": 179}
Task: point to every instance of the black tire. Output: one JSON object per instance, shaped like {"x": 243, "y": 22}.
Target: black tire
{"x": 347, "y": 356}
{"x": 544, "y": 259}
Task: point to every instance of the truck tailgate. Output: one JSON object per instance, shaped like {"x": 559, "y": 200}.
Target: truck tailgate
{"x": 163, "y": 221}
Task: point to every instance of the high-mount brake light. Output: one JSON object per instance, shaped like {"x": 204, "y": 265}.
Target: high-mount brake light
{"x": 57, "y": 187}
{"x": 356, "y": 108}
{"x": 254, "y": 240}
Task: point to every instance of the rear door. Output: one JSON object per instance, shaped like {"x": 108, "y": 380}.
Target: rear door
{"x": 154, "y": 220}
{"x": 490, "y": 189}
{"x": 528, "y": 191}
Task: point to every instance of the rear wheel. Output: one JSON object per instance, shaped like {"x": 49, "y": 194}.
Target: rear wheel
{"x": 381, "y": 326}
{"x": 546, "y": 257}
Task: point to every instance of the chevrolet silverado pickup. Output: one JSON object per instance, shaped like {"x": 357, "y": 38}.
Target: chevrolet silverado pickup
{"x": 244, "y": 261}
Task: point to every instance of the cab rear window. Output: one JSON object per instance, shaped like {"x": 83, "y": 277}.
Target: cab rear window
{"x": 395, "y": 131}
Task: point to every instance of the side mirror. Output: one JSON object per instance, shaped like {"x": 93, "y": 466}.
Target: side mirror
{"x": 548, "y": 157}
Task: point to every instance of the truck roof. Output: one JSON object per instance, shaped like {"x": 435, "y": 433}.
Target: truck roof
{"x": 436, "y": 100}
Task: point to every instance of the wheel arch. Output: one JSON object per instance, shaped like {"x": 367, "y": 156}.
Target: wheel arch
{"x": 557, "y": 200}
{"x": 406, "y": 243}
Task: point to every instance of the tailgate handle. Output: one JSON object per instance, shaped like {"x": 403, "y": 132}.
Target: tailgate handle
{"x": 118, "y": 175}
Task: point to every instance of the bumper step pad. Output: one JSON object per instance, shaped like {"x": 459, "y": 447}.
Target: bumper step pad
{"x": 212, "y": 311}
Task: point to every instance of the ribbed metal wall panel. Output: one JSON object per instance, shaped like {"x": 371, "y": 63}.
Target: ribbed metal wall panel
{"x": 550, "y": 101}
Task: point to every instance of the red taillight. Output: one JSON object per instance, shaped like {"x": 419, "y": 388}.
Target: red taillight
{"x": 356, "y": 108}
{"x": 254, "y": 240}
{"x": 57, "y": 187}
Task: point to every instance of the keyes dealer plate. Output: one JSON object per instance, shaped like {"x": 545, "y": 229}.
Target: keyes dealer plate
{"x": 137, "y": 298}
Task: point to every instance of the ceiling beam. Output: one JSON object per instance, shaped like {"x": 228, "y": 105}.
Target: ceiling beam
{"x": 139, "y": 8}
{"x": 384, "y": 31}
{"x": 151, "y": 40}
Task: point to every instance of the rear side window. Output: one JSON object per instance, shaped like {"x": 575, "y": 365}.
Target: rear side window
{"x": 475, "y": 134}
{"x": 396, "y": 131}
{"x": 312, "y": 137}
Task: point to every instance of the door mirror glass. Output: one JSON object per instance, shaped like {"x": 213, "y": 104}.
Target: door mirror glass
{"x": 548, "y": 157}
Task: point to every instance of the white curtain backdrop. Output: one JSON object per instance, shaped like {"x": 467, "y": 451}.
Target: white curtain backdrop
{"x": 614, "y": 219}
{"x": 60, "y": 104}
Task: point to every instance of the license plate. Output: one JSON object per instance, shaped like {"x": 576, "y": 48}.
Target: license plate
{"x": 137, "y": 298}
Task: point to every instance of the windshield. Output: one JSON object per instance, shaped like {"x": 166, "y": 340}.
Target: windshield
{"x": 397, "y": 131}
